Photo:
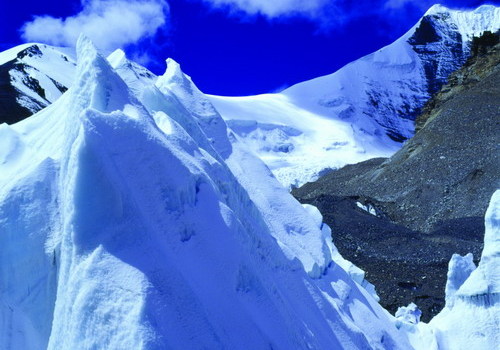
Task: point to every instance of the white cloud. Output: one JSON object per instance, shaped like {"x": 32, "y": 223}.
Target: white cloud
{"x": 275, "y": 8}
{"x": 110, "y": 24}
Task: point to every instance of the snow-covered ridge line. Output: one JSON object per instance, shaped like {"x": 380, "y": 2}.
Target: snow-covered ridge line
{"x": 364, "y": 110}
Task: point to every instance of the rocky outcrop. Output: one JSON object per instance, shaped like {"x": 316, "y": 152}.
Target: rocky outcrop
{"x": 474, "y": 70}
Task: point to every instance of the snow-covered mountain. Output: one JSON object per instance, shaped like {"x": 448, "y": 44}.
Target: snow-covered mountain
{"x": 32, "y": 76}
{"x": 433, "y": 192}
{"x": 364, "y": 110}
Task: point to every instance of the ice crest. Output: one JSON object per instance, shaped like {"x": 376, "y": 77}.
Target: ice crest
{"x": 459, "y": 269}
{"x": 116, "y": 58}
{"x": 175, "y": 82}
{"x": 96, "y": 84}
{"x": 484, "y": 282}
{"x": 470, "y": 319}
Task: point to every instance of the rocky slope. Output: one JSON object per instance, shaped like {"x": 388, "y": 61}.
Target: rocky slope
{"x": 429, "y": 198}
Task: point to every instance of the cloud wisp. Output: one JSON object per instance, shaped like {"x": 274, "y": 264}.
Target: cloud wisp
{"x": 274, "y": 8}
{"x": 328, "y": 14}
{"x": 110, "y": 24}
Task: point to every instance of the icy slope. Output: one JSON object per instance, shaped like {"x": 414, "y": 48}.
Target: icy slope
{"x": 122, "y": 227}
{"x": 364, "y": 110}
{"x": 32, "y": 76}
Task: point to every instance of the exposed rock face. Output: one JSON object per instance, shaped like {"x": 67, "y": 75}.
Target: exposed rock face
{"x": 10, "y": 110}
{"x": 473, "y": 71}
{"x": 429, "y": 198}
{"x": 440, "y": 46}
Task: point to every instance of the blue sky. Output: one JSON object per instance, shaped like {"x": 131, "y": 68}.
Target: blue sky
{"x": 229, "y": 47}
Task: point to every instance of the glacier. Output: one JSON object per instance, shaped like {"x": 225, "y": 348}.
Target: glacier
{"x": 131, "y": 217}
{"x": 124, "y": 226}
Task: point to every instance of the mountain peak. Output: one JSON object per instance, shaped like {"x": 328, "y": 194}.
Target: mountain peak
{"x": 469, "y": 22}
{"x": 11, "y": 54}
{"x": 435, "y": 9}
{"x": 438, "y": 8}
{"x": 486, "y": 8}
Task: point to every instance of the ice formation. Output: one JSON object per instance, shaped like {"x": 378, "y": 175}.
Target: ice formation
{"x": 125, "y": 227}
{"x": 409, "y": 314}
{"x": 471, "y": 317}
